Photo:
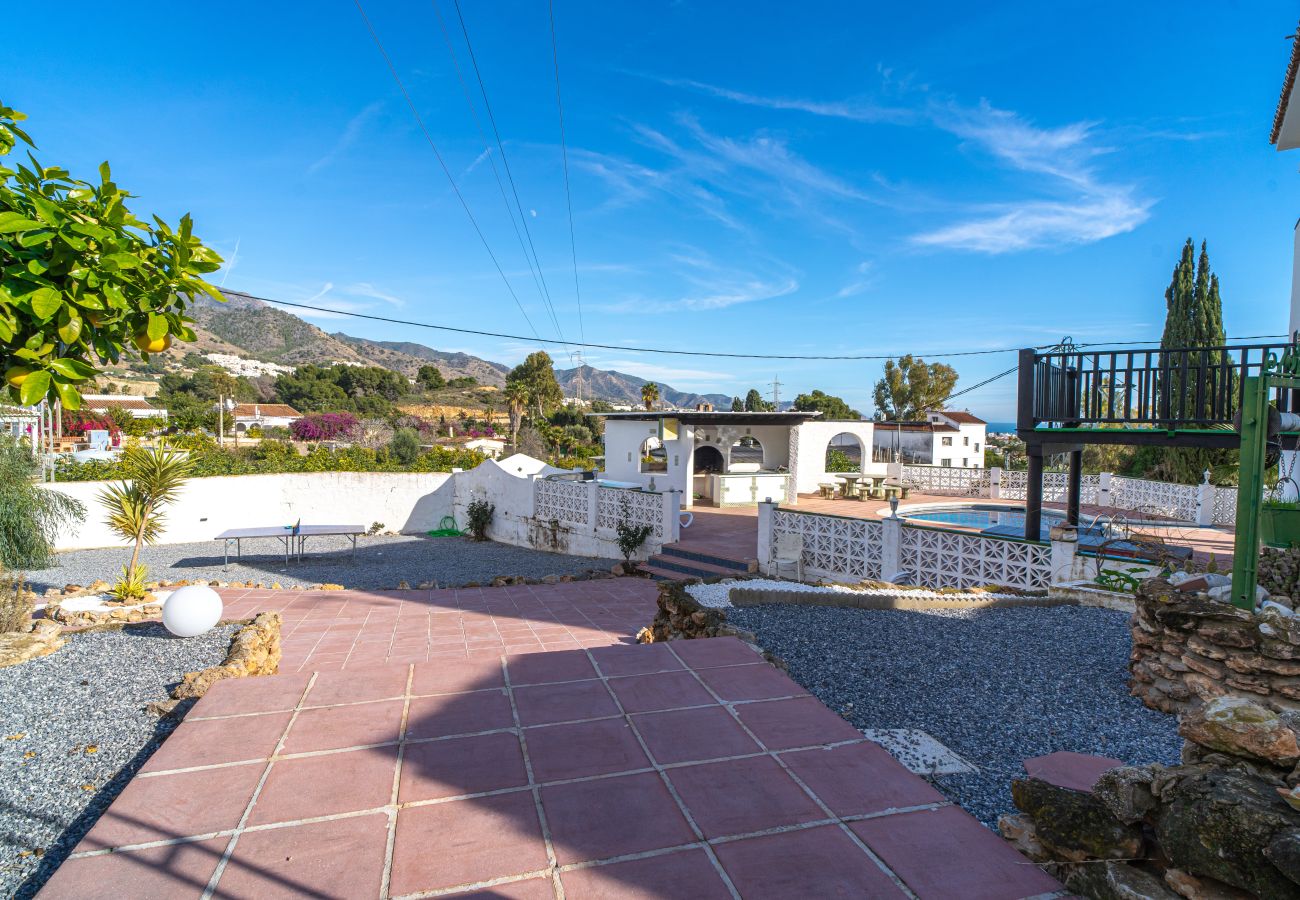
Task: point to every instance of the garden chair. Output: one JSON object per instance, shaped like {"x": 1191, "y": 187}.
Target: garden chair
{"x": 788, "y": 550}
{"x": 828, "y": 491}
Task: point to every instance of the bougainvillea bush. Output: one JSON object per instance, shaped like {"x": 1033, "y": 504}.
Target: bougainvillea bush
{"x": 76, "y": 424}
{"x": 325, "y": 427}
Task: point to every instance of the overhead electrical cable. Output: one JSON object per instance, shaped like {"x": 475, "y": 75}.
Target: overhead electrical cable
{"x": 665, "y": 351}
{"x": 374, "y": 36}
{"x": 505, "y": 164}
{"x": 487, "y": 148}
{"x": 564, "y": 155}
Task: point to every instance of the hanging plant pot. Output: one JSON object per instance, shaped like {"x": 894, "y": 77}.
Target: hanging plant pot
{"x": 1279, "y": 526}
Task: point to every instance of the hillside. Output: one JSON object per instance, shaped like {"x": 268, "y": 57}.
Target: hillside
{"x": 248, "y": 327}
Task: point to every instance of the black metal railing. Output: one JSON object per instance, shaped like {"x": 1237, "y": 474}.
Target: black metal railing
{"x": 1193, "y": 388}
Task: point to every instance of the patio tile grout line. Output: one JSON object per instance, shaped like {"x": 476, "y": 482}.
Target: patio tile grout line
{"x": 220, "y": 870}
{"x": 556, "y": 887}
{"x": 663, "y": 777}
{"x": 848, "y": 832}
{"x": 391, "y": 838}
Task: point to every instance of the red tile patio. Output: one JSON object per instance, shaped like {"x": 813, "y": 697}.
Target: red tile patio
{"x": 690, "y": 769}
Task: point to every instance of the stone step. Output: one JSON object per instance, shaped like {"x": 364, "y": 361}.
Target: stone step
{"x": 659, "y": 574}
{"x": 691, "y": 568}
{"x": 685, "y": 551}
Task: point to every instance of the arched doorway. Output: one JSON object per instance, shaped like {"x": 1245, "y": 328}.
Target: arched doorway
{"x": 708, "y": 460}
{"x": 845, "y": 453}
{"x": 653, "y": 456}
{"x": 746, "y": 455}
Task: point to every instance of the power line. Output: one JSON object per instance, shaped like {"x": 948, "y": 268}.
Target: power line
{"x": 446, "y": 171}
{"x": 644, "y": 350}
{"x": 505, "y": 163}
{"x": 564, "y": 154}
{"x": 487, "y": 147}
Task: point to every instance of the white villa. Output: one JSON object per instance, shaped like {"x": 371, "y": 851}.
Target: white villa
{"x": 730, "y": 458}
{"x": 136, "y": 407}
{"x": 951, "y": 438}
{"x": 263, "y": 415}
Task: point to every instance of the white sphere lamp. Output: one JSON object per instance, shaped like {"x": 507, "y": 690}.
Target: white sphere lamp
{"x": 191, "y": 610}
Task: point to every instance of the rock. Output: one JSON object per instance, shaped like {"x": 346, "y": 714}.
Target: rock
{"x": 1193, "y": 888}
{"x": 1219, "y": 823}
{"x": 72, "y": 589}
{"x": 403, "y": 585}
{"x": 1117, "y": 881}
{"x": 550, "y": 579}
{"x": 1074, "y": 824}
{"x": 162, "y": 708}
{"x": 254, "y": 650}
{"x": 1019, "y": 831}
{"x": 1242, "y": 727}
{"x": 1284, "y": 852}
{"x": 500, "y": 581}
{"x": 330, "y": 587}
{"x": 564, "y": 579}
{"x": 616, "y": 569}
{"x": 1126, "y": 792}
{"x": 1189, "y": 582}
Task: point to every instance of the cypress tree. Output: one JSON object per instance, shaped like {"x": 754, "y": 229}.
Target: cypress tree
{"x": 1193, "y": 319}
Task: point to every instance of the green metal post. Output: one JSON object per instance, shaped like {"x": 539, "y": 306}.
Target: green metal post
{"x": 1250, "y": 490}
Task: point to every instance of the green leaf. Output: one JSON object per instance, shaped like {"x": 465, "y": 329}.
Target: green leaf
{"x": 45, "y": 302}
{"x": 11, "y": 222}
{"x": 34, "y": 388}
{"x": 69, "y": 396}
{"x": 123, "y": 260}
{"x": 104, "y": 172}
{"x": 70, "y": 330}
{"x": 73, "y": 369}
{"x": 157, "y": 327}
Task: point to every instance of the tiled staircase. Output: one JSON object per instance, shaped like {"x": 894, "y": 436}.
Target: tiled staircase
{"x": 677, "y": 562}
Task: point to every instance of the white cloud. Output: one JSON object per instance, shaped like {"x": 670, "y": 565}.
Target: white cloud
{"x": 351, "y": 132}
{"x": 1027, "y": 225}
{"x": 856, "y": 110}
{"x": 862, "y": 282}
{"x": 365, "y": 289}
{"x": 709, "y": 286}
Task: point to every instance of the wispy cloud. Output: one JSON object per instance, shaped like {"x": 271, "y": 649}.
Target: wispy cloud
{"x": 478, "y": 160}
{"x": 230, "y": 263}
{"x": 351, "y": 132}
{"x": 856, "y": 110}
{"x": 706, "y": 285}
{"x": 365, "y": 289}
{"x": 861, "y": 282}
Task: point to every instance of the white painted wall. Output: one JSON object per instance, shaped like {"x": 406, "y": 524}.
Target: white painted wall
{"x": 813, "y": 439}
{"x": 402, "y": 501}
{"x": 623, "y": 440}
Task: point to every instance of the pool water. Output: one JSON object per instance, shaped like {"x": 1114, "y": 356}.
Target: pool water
{"x": 1007, "y": 521}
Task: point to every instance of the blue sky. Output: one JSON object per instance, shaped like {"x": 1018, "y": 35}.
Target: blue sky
{"x": 798, "y": 178}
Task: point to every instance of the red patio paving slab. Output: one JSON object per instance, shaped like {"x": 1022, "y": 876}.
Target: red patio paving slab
{"x": 544, "y": 704}
{"x": 688, "y": 735}
{"x": 602, "y": 747}
{"x": 786, "y": 724}
{"x": 309, "y": 786}
{"x": 157, "y": 873}
{"x": 378, "y": 683}
{"x": 443, "y": 715}
{"x": 206, "y": 742}
{"x": 814, "y": 862}
{"x": 611, "y": 817}
{"x": 251, "y": 695}
{"x": 944, "y": 853}
{"x": 337, "y": 858}
{"x": 476, "y": 840}
{"x": 336, "y": 727}
{"x": 165, "y": 807}
{"x": 857, "y": 779}
{"x": 743, "y": 796}
{"x": 432, "y": 770}
{"x": 640, "y": 660}
{"x": 666, "y": 690}
{"x": 1076, "y": 771}
{"x": 716, "y": 652}
{"x": 544, "y": 668}
{"x": 539, "y": 888}
{"x": 686, "y": 873}
{"x": 734, "y": 683}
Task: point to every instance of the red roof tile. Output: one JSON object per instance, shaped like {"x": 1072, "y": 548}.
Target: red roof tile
{"x": 1287, "y": 83}
{"x": 962, "y": 418}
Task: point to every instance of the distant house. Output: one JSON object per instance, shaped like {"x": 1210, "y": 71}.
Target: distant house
{"x": 135, "y": 407}
{"x": 264, "y": 415}
{"x": 490, "y": 447}
{"x": 950, "y": 438}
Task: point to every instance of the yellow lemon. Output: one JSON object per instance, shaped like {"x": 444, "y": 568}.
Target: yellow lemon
{"x": 152, "y": 345}
{"x": 16, "y": 375}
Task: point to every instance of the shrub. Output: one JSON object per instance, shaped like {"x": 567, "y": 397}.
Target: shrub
{"x": 405, "y": 445}
{"x": 325, "y": 427}
{"x": 480, "y": 514}
{"x": 30, "y": 515}
{"x": 630, "y": 537}
{"x": 135, "y": 506}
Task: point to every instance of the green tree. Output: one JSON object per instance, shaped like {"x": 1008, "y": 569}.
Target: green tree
{"x": 405, "y": 445}
{"x": 154, "y": 479}
{"x": 1193, "y": 319}
{"x": 831, "y": 407}
{"x": 516, "y": 395}
{"x": 537, "y": 376}
{"x": 82, "y": 279}
{"x": 754, "y": 402}
{"x": 649, "y": 394}
{"x": 911, "y": 388}
{"x": 737, "y": 405}
{"x": 430, "y": 378}
{"x": 369, "y": 390}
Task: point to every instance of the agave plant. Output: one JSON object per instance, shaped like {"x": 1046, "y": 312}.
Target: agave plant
{"x": 154, "y": 478}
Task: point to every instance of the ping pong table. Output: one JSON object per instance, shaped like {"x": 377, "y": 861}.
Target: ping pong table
{"x": 293, "y": 538}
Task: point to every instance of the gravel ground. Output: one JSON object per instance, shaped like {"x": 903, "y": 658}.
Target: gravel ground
{"x": 996, "y": 686}
{"x": 379, "y": 562}
{"x": 54, "y": 710}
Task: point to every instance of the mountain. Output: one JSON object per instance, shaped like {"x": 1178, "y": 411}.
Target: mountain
{"x": 248, "y": 327}
{"x": 621, "y": 388}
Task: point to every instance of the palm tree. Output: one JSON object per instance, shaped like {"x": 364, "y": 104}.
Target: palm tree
{"x": 154, "y": 478}
{"x": 516, "y": 395}
{"x": 649, "y": 394}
